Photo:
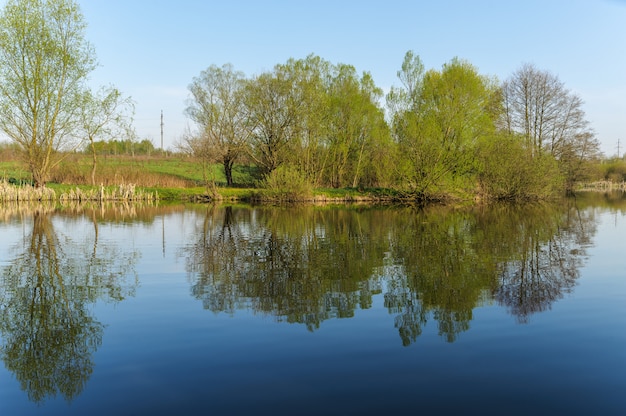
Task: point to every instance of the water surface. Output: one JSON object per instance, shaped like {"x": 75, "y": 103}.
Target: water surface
{"x": 310, "y": 310}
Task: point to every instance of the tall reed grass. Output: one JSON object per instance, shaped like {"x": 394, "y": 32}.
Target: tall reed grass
{"x": 15, "y": 193}
{"x": 120, "y": 193}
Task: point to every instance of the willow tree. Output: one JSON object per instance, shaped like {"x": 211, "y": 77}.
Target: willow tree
{"x": 310, "y": 88}
{"x": 356, "y": 125}
{"x": 216, "y": 107}
{"x": 272, "y": 108}
{"x": 445, "y": 114}
{"x": 44, "y": 64}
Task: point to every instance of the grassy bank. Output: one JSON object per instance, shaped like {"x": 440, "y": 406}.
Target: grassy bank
{"x": 167, "y": 178}
{"x": 176, "y": 178}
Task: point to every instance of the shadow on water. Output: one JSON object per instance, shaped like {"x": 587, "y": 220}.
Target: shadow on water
{"x": 309, "y": 264}
{"x": 49, "y": 333}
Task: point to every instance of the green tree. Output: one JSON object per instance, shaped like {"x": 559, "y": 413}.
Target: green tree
{"x": 355, "y": 121}
{"x": 308, "y": 154}
{"x": 44, "y": 64}
{"x": 217, "y": 109}
{"x": 441, "y": 123}
{"x": 337, "y": 124}
{"x": 272, "y": 107}
{"x": 407, "y": 97}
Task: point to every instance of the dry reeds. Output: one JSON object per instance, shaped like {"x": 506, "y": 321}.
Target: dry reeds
{"x": 120, "y": 193}
{"x": 127, "y": 193}
{"x": 14, "y": 193}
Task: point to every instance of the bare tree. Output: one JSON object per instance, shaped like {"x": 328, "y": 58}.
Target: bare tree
{"x": 538, "y": 105}
{"x": 197, "y": 145}
{"x": 550, "y": 117}
{"x": 216, "y": 109}
{"x": 106, "y": 114}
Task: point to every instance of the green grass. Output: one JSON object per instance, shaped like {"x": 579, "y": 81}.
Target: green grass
{"x": 13, "y": 169}
{"x": 178, "y": 167}
{"x": 182, "y": 168}
{"x": 173, "y": 178}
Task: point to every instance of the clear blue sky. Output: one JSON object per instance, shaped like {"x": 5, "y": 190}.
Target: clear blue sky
{"x": 152, "y": 49}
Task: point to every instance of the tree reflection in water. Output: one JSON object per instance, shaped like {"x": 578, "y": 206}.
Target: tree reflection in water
{"x": 48, "y": 330}
{"x": 282, "y": 262}
{"x": 552, "y": 247}
{"x": 309, "y": 264}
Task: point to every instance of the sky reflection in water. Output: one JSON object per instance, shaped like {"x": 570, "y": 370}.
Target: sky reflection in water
{"x": 231, "y": 310}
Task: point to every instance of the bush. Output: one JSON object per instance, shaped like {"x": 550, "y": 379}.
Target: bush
{"x": 509, "y": 170}
{"x": 615, "y": 170}
{"x": 286, "y": 184}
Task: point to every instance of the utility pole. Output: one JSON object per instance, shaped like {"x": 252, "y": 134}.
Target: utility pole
{"x": 162, "y": 131}
{"x": 618, "y": 148}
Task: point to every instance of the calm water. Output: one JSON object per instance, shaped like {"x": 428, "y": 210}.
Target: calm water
{"x": 314, "y": 310}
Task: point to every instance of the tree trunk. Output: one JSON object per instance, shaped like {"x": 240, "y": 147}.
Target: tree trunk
{"x": 95, "y": 161}
{"x": 228, "y": 171}
{"x": 38, "y": 177}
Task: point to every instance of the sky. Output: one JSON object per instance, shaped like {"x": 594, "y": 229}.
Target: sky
{"x": 152, "y": 49}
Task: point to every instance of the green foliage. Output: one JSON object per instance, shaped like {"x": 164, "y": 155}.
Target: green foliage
{"x": 317, "y": 124}
{"x": 551, "y": 119}
{"x": 272, "y": 105}
{"x": 322, "y": 118}
{"x": 44, "y": 64}
{"x": 437, "y": 133}
{"x": 508, "y": 169}
{"x": 614, "y": 170}
{"x": 122, "y": 147}
{"x": 285, "y": 184}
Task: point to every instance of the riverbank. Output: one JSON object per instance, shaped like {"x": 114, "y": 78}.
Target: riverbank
{"x": 131, "y": 193}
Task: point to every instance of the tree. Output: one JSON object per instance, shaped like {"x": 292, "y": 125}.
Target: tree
{"x": 216, "y": 108}
{"x": 354, "y": 120}
{"x": 44, "y": 64}
{"x": 197, "y": 146}
{"x": 272, "y": 107}
{"x": 551, "y": 119}
{"x": 336, "y": 135}
{"x": 310, "y": 85}
{"x": 442, "y": 121}
{"x": 411, "y": 75}
{"x": 107, "y": 114}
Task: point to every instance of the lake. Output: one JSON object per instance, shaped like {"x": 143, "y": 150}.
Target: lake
{"x": 361, "y": 309}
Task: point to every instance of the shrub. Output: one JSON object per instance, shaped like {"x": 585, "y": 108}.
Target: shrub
{"x": 286, "y": 183}
{"x": 509, "y": 170}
